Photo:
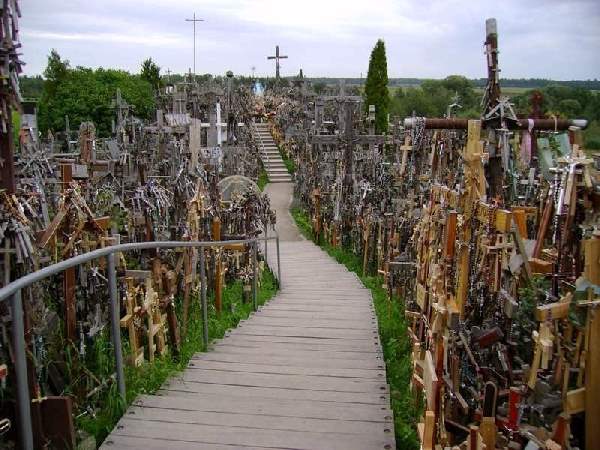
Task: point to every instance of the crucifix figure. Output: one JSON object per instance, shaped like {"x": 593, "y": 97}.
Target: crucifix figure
{"x": 277, "y": 57}
{"x": 194, "y": 20}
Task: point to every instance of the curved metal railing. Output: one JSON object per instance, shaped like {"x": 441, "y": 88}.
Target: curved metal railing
{"x": 12, "y": 291}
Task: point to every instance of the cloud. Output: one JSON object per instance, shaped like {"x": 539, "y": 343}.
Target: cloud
{"x": 153, "y": 40}
{"x": 424, "y": 38}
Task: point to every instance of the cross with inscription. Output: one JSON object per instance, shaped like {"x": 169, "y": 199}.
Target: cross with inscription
{"x": 277, "y": 57}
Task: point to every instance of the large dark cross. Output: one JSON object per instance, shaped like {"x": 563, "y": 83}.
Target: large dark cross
{"x": 348, "y": 139}
{"x": 277, "y": 57}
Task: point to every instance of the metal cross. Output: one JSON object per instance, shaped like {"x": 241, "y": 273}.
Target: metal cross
{"x": 277, "y": 57}
{"x": 194, "y": 20}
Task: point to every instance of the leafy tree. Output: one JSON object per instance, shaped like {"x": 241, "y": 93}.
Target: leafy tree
{"x": 85, "y": 94}
{"x": 376, "y": 87}
{"x": 31, "y": 87}
{"x": 432, "y": 97}
{"x": 151, "y": 73}
{"x": 570, "y": 107}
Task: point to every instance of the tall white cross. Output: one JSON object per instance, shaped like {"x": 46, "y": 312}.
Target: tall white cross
{"x": 194, "y": 20}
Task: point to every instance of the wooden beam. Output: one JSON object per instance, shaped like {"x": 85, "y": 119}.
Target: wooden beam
{"x": 592, "y": 381}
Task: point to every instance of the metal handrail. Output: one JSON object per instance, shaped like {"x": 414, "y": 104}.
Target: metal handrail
{"x": 13, "y": 290}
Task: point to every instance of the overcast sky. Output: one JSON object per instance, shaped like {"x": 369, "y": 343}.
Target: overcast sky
{"x": 424, "y": 38}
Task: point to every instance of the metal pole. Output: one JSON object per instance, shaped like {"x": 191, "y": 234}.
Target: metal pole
{"x": 114, "y": 322}
{"x": 266, "y": 240}
{"x": 254, "y": 276}
{"x": 278, "y": 262}
{"x": 23, "y": 400}
{"x": 203, "y": 299}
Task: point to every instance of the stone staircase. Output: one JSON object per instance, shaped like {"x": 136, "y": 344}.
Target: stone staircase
{"x": 270, "y": 156}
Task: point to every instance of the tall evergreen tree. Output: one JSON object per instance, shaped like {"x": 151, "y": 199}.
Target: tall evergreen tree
{"x": 376, "y": 87}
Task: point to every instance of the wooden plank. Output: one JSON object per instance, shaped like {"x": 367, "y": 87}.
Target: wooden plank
{"x": 331, "y": 324}
{"x": 291, "y": 359}
{"x": 322, "y": 333}
{"x": 575, "y": 401}
{"x": 552, "y": 311}
{"x": 259, "y": 421}
{"x": 372, "y": 374}
{"x": 313, "y": 383}
{"x": 241, "y": 335}
{"x": 283, "y": 393}
{"x": 247, "y": 436}
{"x": 258, "y": 344}
{"x": 270, "y": 407}
{"x": 340, "y": 316}
{"x": 114, "y": 442}
{"x": 304, "y": 355}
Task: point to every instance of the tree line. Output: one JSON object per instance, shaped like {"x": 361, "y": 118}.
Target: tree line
{"x": 85, "y": 94}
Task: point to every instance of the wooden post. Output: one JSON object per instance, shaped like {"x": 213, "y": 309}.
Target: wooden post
{"x": 7, "y": 169}
{"x": 428, "y": 430}
{"x": 592, "y": 382}
{"x": 366, "y": 235}
{"x": 591, "y": 247}
{"x": 475, "y": 191}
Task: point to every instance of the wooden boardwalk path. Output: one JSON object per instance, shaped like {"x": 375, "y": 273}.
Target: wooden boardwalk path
{"x": 304, "y": 372}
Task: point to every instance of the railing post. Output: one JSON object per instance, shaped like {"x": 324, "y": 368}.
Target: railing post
{"x": 255, "y": 275}
{"x": 278, "y": 262}
{"x": 203, "y": 299}
{"x": 266, "y": 240}
{"x": 23, "y": 400}
{"x": 115, "y": 323}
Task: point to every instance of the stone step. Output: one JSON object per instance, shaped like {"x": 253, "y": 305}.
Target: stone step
{"x": 278, "y": 171}
{"x": 273, "y": 164}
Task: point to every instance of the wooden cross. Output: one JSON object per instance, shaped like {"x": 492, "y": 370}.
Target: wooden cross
{"x": 277, "y": 57}
{"x": 406, "y": 147}
{"x": 127, "y": 321}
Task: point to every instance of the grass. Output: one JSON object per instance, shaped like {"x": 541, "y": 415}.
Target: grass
{"x": 397, "y": 347}
{"x": 289, "y": 163}
{"x": 149, "y": 377}
{"x": 263, "y": 179}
